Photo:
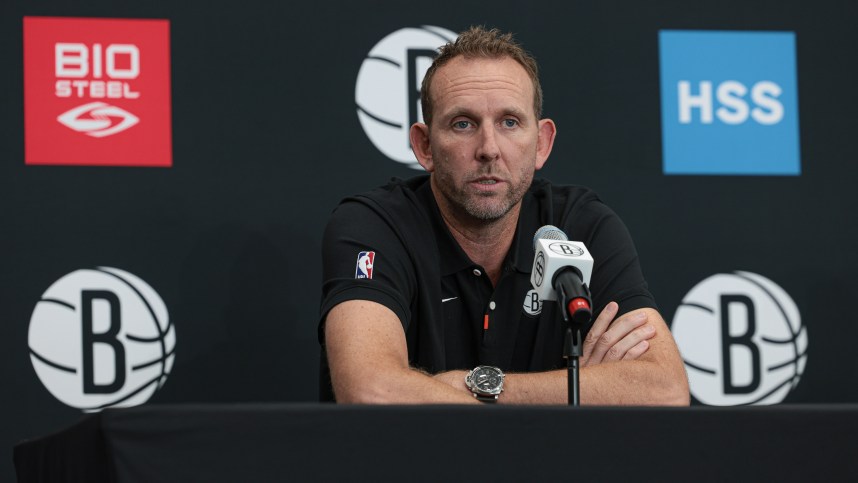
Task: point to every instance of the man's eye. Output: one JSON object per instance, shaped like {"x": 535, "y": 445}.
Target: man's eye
{"x": 461, "y": 124}
{"x": 510, "y": 122}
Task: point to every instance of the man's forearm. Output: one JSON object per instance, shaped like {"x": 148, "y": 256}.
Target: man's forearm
{"x": 400, "y": 386}
{"x": 616, "y": 368}
{"x": 369, "y": 360}
{"x": 635, "y": 383}
{"x": 643, "y": 383}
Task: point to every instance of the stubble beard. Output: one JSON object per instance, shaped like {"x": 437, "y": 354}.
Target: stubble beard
{"x": 483, "y": 206}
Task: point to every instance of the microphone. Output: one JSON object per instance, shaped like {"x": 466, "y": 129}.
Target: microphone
{"x": 561, "y": 271}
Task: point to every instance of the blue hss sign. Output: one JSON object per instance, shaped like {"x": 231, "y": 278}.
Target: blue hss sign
{"x": 729, "y": 103}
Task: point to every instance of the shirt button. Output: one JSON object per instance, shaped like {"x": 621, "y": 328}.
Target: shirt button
{"x": 492, "y": 305}
{"x": 477, "y": 272}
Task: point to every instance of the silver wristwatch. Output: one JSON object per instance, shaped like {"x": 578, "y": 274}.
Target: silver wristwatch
{"x": 485, "y": 382}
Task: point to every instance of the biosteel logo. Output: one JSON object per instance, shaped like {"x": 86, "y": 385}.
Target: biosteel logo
{"x": 98, "y": 119}
{"x": 97, "y": 92}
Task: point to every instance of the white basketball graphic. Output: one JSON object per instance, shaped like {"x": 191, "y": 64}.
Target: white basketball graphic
{"x": 742, "y": 340}
{"x": 101, "y": 338}
{"x": 387, "y": 79}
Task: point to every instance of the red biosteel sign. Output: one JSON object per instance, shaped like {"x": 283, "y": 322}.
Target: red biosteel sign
{"x": 97, "y": 92}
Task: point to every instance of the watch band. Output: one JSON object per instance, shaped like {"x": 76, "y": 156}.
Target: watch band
{"x": 486, "y": 399}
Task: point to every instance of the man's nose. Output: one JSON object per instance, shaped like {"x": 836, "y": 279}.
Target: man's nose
{"x": 488, "y": 149}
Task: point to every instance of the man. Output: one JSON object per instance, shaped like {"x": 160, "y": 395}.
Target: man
{"x": 451, "y": 255}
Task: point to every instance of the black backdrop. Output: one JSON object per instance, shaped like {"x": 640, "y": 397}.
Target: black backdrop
{"x": 266, "y": 140}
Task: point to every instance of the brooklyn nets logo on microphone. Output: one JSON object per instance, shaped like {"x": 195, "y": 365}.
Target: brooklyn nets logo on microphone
{"x": 567, "y": 249}
{"x": 101, "y": 338}
{"x": 539, "y": 269}
{"x": 388, "y": 88}
{"x": 742, "y": 340}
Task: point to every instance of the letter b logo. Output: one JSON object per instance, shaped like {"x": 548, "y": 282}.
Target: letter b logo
{"x": 532, "y": 305}
{"x": 742, "y": 340}
{"x": 387, "y": 91}
{"x": 731, "y": 342}
{"x": 101, "y": 338}
{"x": 108, "y": 338}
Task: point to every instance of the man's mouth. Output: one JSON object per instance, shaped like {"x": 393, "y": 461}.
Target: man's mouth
{"x": 487, "y": 185}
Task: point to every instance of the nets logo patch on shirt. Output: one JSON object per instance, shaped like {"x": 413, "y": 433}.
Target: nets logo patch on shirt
{"x": 365, "y": 262}
{"x": 97, "y": 92}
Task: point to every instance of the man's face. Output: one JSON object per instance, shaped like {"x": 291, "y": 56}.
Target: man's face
{"x": 484, "y": 136}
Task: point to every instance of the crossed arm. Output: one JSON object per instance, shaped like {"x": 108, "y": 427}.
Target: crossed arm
{"x": 633, "y": 361}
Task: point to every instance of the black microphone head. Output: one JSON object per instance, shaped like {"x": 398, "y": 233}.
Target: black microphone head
{"x": 549, "y": 232}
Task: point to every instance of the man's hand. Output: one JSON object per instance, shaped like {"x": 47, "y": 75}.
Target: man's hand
{"x": 645, "y": 367}
{"x": 625, "y": 339}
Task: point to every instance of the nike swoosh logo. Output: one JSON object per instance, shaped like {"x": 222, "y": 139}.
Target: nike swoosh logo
{"x": 449, "y": 299}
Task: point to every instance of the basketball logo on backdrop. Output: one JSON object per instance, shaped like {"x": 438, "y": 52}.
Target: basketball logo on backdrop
{"x": 97, "y": 92}
{"x": 388, "y": 88}
{"x": 365, "y": 263}
{"x": 742, "y": 340}
{"x": 101, "y": 338}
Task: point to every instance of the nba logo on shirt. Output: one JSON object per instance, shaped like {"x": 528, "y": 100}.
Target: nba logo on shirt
{"x": 364, "y": 265}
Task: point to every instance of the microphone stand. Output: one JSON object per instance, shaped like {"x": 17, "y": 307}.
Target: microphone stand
{"x": 572, "y": 352}
{"x": 573, "y": 344}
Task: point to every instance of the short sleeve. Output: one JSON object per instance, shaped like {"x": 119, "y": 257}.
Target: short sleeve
{"x": 364, "y": 258}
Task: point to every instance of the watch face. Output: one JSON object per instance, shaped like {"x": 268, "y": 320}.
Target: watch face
{"x": 487, "y": 379}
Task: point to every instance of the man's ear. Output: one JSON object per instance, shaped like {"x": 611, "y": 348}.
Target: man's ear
{"x": 545, "y": 141}
{"x": 419, "y": 135}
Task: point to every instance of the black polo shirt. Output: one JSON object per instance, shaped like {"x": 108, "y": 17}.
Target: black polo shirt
{"x": 391, "y": 246}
